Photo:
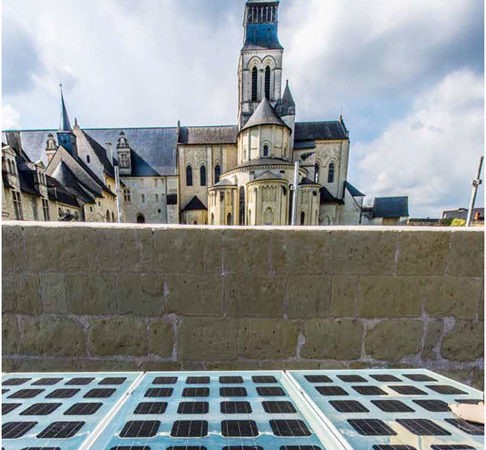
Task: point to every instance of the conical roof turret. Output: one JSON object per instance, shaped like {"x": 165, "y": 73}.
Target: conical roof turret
{"x": 264, "y": 115}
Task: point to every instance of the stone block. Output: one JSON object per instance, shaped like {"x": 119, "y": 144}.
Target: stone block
{"x": 267, "y": 338}
{"x": 194, "y": 295}
{"x": 363, "y": 252}
{"x": 161, "y": 338}
{"x": 478, "y": 379}
{"x": 309, "y": 296}
{"x": 140, "y": 294}
{"x": 344, "y": 296}
{"x": 246, "y": 250}
{"x": 234, "y": 365}
{"x": 423, "y": 252}
{"x": 338, "y": 339}
{"x": 289, "y": 365}
{"x": 21, "y": 293}
{"x": 432, "y": 338}
{"x": 466, "y": 253}
{"x": 249, "y": 295}
{"x": 53, "y": 292}
{"x": 394, "y": 339}
{"x": 465, "y": 342}
{"x": 52, "y": 336}
{"x": 9, "y": 365}
{"x": 391, "y": 296}
{"x": 91, "y": 293}
{"x": 125, "y": 336}
{"x": 206, "y": 339}
{"x": 13, "y": 249}
{"x": 10, "y": 335}
{"x": 160, "y": 366}
{"x": 455, "y": 296}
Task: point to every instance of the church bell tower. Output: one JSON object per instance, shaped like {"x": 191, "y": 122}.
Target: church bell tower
{"x": 260, "y": 66}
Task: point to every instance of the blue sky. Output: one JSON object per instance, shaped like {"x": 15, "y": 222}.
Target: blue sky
{"x": 407, "y": 75}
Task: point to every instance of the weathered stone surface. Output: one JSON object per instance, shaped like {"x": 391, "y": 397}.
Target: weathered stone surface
{"x": 363, "y": 252}
{"x": 118, "y": 336}
{"x": 234, "y": 365}
{"x": 53, "y": 364}
{"x": 267, "y": 338}
{"x": 432, "y": 338}
{"x": 91, "y": 293}
{"x": 53, "y": 292}
{"x": 140, "y": 294}
{"x": 338, "y": 339}
{"x": 246, "y": 251}
{"x": 195, "y": 295}
{"x": 455, "y": 296}
{"x": 465, "y": 342}
{"x": 309, "y": 296}
{"x": 13, "y": 249}
{"x": 478, "y": 379}
{"x": 10, "y": 334}
{"x": 154, "y": 365}
{"x": 249, "y": 295}
{"x": 21, "y": 293}
{"x": 423, "y": 252}
{"x": 289, "y": 365}
{"x": 392, "y": 340}
{"x": 206, "y": 339}
{"x": 161, "y": 338}
{"x": 385, "y": 296}
{"x": 344, "y": 295}
{"x": 52, "y": 336}
{"x": 9, "y": 365}
{"x": 466, "y": 253}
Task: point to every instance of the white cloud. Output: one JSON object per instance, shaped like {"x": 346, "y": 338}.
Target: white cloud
{"x": 432, "y": 154}
{"x": 10, "y": 117}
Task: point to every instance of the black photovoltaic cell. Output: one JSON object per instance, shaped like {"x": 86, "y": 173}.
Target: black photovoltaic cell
{"x": 445, "y": 389}
{"x": 26, "y": 393}
{"x": 239, "y": 428}
{"x": 195, "y": 392}
{"x": 289, "y": 428}
{"x": 407, "y": 390}
{"x": 475, "y": 429}
{"x": 235, "y": 408}
{"x": 452, "y": 447}
{"x": 14, "y": 430}
{"x": 331, "y": 390}
{"x": 99, "y": 393}
{"x": 300, "y": 447}
{"x": 393, "y": 447}
{"x": 79, "y": 381}
{"x": 140, "y": 428}
{"x": 419, "y": 377}
{"x": 63, "y": 393}
{"x": 187, "y": 447}
{"x": 230, "y": 380}
{"x": 46, "y": 381}
{"x": 165, "y": 380}
{"x": 263, "y": 379}
{"x": 113, "y": 380}
{"x": 392, "y": 406}
{"x": 232, "y": 392}
{"x": 7, "y": 407}
{"x": 271, "y": 391}
{"x": 60, "y": 430}
{"x": 423, "y": 427}
{"x": 159, "y": 392}
{"x": 83, "y": 409}
{"x": 15, "y": 381}
{"x": 243, "y": 447}
{"x": 317, "y": 379}
{"x": 352, "y": 379}
{"x": 40, "y": 409}
{"x": 189, "y": 428}
{"x": 369, "y": 390}
{"x": 348, "y": 406}
{"x": 433, "y": 405}
{"x": 385, "y": 378}
{"x": 151, "y": 408}
{"x": 197, "y": 380}
{"x": 41, "y": 448}
{"x": 279, "y": 407}
{"x": 371, "y": 427}
{"x": 5, "y": 391}
{"x": 130, "y": 447}
{"x": 193, "y": 408}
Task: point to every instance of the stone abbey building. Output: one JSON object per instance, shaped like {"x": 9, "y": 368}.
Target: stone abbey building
{"x": 239, "y": 174}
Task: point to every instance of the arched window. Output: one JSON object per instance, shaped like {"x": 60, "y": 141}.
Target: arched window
{"x": 265, "y": 150}
{"x": 217, "y": 174}
{"x": 268, "y": 218}
{"x": 330, "y": 176}
{"x": 254, "y": 84}
{"x": 317, "y": 169}
{"x": 107, "y": 215}
{"x": 302, "y": 218}
{"x": 113, "y": 217}
{"x": 229, "y": 219}
{"x": 188, "y": 176}
{"x": 88, "y": 159}
{"x": 267, "y": 82}
{"x": 140, "y": 218}
{"x": 202, "y": 175}
{"x": 212, "y": 219}
{"x": 242, "y": 205}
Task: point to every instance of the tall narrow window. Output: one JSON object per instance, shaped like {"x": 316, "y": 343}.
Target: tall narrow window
{"x": 267, "y": 82}
{"x": 330, "y": 176}
{"x": 188, "y": 176}
{"x": 88, "y": 160}
{"x": 254, "y": 84}
{"x": 317, "y": 169}
{"x": 127, "y": 195}
{"x": 45, "y": 209}
{"x": 217, "y": 174}
{"x": 202, "y": 175}
{"x": 302, "y": 218}
{"x": 265, "y": 150}
{"x": 242, "y": 205}
{"x": 229, "y": 219}
{"x": 17, "y": 201}
{"x": 107, "y": 215}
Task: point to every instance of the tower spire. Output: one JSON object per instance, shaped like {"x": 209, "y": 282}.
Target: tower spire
{"x": 64, "y": 124}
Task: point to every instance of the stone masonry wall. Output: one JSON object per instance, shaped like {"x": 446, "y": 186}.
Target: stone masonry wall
{"x": 116, "y": 297}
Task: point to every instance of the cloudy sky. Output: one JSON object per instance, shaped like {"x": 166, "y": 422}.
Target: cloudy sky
{"x": 407, "y": 75}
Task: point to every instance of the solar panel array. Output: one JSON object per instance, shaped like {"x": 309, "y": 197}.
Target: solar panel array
{"x": 266, "y": 410}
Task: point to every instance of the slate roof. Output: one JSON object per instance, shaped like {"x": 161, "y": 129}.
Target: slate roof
{"x": 58, "y": 192}
{"x": 65, "y": 176}
{"x": 224, "y": 134}
{"x": 268, "y": 175}
{"x": 461, "y": 213}
{"x": 64, "y": 124}
{"x": 264, "y": 115}
{"x": 387, "y": 207}
{"x": 100, "y": 152}
{"x": 327, "y": 197}
{"x": 352, "y": 190}
{"x": 286, "y": 105}
{"x": 307, "y": 181}
{"x": 224, "y": 182}
{"x": 261, "y": 36}
{"x": 319, "y": 131}
{"x": 195, "y": 205}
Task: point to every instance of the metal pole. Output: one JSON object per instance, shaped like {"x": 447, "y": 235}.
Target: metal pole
{"x": 117, "y": 192}
{"x": 294, "y": 197}
{"x": 476, "y": 183}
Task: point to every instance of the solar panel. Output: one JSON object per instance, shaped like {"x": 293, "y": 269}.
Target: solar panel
{"x": 433, "y": 405}
{"x": 423, "y": 427}
{"x": 40, "y": 409}
{"x": 393, "y": 406}
{"x": 475, "y": 429}
{"x": 371, "y": 427}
